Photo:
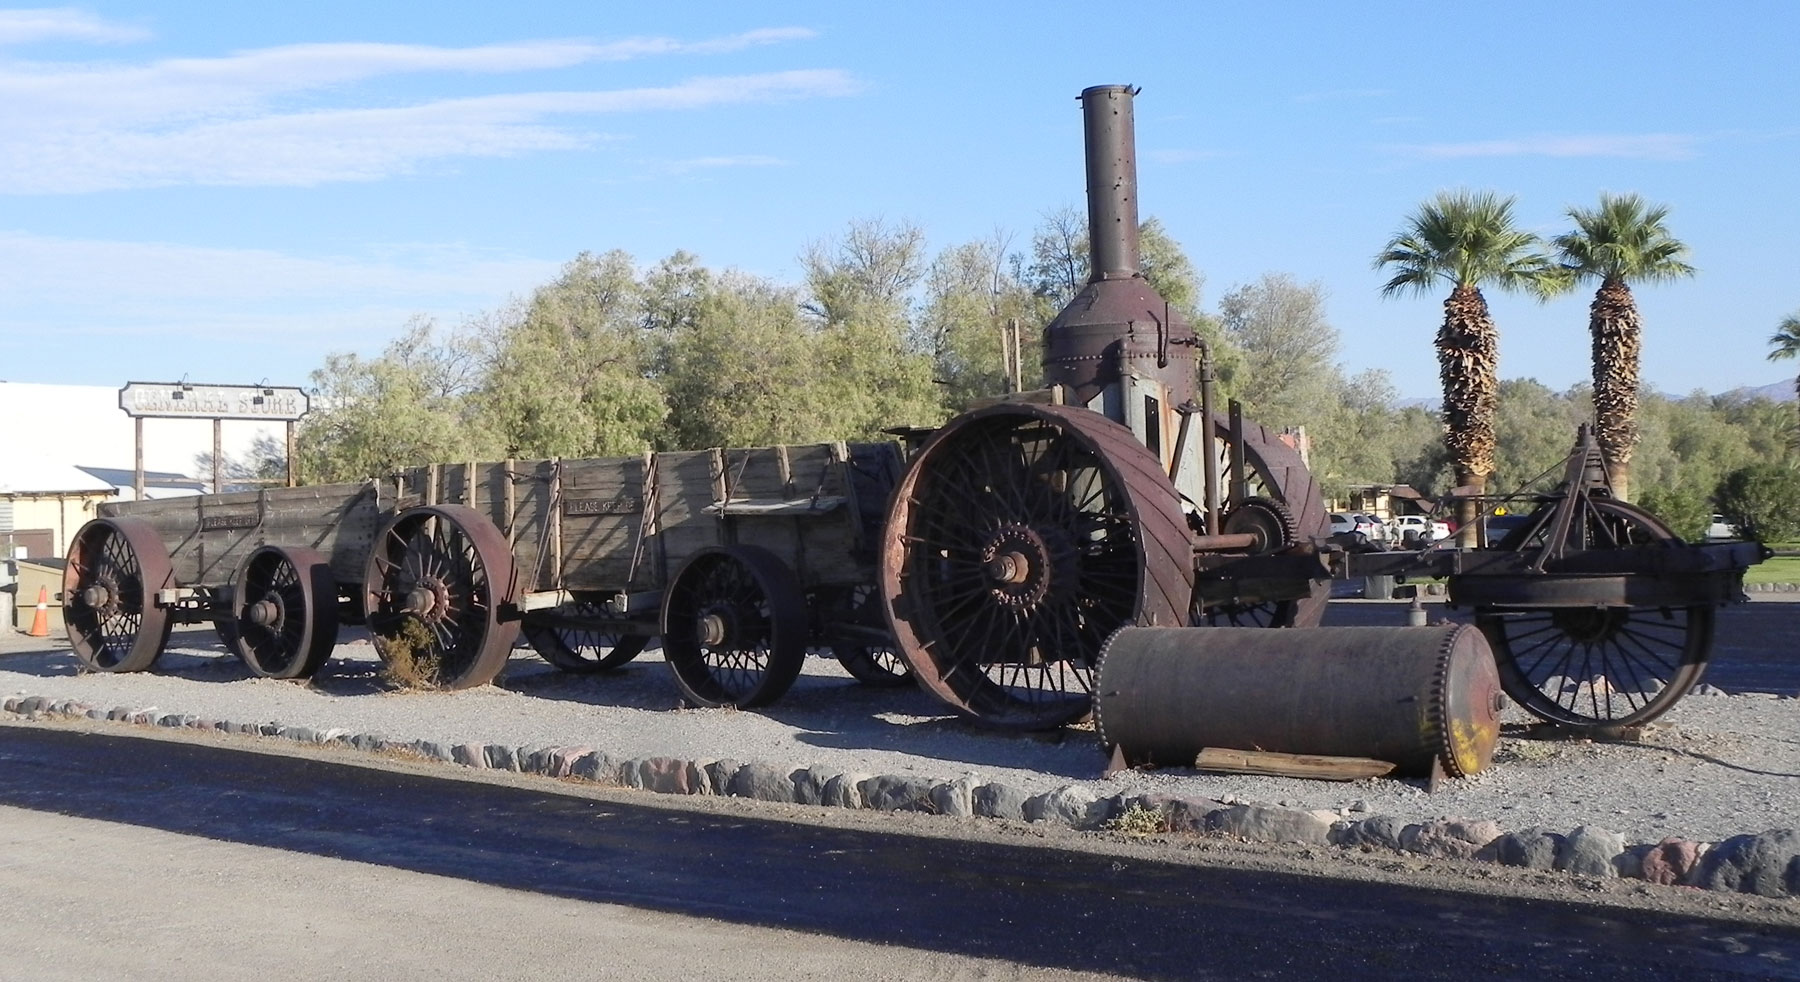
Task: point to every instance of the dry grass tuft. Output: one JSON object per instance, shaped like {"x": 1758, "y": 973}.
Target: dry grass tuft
{"x": 1138, "y": 820}
{"x": 409, "y": 661}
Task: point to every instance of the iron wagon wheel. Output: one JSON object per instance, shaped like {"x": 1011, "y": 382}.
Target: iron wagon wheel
{"x": 582, "y": 650}
{"x": 439, "y": 585}
{"x": 1601, "y": 667}
{"x": 284, "y": 612}
{"x": 735, "y": 627}
{"x": 1282, "y": 490}
{"x": 1020, "y": 538}
{"x": 115, "y": 568}
{"x": 870, "y": 664}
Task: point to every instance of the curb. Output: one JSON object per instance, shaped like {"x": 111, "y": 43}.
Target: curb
{"x": 1766, "y": 864}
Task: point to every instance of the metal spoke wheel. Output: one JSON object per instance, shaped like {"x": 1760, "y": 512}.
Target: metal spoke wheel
{"x": 579, "y": 649}
{"x": 1281, "y": 500}
{"x": 734, "y": 627}
{"x": 1601, "y": 667}
{"x": 438, "y": 597}
{"x": 284, "y": 612}
{"x": 115, "y": 567}
{"x": 1021, "y": 537}
{"x": 871, "y": 664}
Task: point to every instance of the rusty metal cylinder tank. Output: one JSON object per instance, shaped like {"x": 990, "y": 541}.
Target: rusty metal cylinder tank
{"x": 1117, "y": 321}
{"x": 1410, "y": 695}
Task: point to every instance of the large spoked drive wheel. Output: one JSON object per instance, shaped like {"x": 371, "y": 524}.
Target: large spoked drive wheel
{"x": 285, "y": 612}
{"x": 734, "y": 627}
{"x": 1019, "y": 540}
{"x": 116, "y": 566}
{"x": 1601, "y": 667}
{"x": 438, "y": 597}
{"x": 581, "y": 650}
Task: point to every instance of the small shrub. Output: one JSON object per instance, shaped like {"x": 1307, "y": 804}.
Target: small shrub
{"x": 1138, "y": 820}
{"x": 409, "y": 658}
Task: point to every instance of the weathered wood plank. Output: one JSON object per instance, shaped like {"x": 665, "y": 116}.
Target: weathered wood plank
{"x": 1226, "y": 761}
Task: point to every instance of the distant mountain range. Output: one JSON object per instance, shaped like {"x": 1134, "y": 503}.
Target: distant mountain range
{"x": 1782, "y": 391}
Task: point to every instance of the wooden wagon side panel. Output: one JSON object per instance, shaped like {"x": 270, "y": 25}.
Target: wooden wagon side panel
{"x": 209, "y": 536}
{"x": 603, "y": 515}
{"x": 687, "y": 483}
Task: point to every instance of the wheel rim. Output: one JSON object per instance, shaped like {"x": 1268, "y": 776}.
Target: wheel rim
{"x": 1018, "y": 541}
{"x": 1606, "y": 666}
{"x": 582, "y": 650}
{"x": 286, "y": 612}
{"x": 115, "y": 568}
{"x": 437, "y": 581}
{"x": 734, "y": 626}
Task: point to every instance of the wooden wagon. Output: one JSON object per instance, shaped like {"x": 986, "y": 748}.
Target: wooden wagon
{"x": 740, "y": 560}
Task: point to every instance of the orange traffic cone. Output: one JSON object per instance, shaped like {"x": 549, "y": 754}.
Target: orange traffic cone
{"x": 40, "y": 622}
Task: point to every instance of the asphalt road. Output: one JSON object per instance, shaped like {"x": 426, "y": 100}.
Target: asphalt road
{"x": 936, "y": 906}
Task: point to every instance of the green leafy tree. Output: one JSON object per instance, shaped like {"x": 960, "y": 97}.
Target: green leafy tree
{"x": 1623, "y": 240}
{"x": 970, "y": 296}
{"x": 743, "y": 372}
{"x": 1466, "y": 240}
{"x": 1764, "y": 499}
{"x": 1288, "y": 373}
{"x": 1785, "y": 343}
{"x": 410, "y": 406}
{"x": 570, "y": 376}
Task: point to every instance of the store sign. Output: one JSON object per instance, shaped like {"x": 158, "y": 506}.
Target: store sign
{"x": 186, "y": 400}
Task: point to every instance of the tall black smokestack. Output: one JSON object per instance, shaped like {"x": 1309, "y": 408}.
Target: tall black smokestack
{"x": 1118, "y": 322}
{"x": 1111, "y": 180}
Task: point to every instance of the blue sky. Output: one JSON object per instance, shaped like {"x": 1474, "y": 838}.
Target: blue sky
{"x": 229, "y": 191}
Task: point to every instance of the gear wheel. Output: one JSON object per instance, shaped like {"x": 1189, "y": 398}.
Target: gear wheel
{"x": 1270, "y": 520}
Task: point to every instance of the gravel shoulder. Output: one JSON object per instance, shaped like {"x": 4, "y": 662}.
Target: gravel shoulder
{"x": 1717, "y": 766}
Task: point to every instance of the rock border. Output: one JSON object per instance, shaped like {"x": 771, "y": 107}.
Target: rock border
{"x": 1766, "y": 864}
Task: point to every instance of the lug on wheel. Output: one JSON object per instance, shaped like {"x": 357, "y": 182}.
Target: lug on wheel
{"x": 577, "y": 649}
{"x": 1608, "y": 666}
{"x": 284, "y": 612}
{"x": 438, "y": 596}
{"x": 734, "y": 627}
{"x": 115, "y": 567}
{"x": 1019, "y": 540}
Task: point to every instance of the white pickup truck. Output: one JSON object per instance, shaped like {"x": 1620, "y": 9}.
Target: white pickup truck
{"x": 1418, "y": 528}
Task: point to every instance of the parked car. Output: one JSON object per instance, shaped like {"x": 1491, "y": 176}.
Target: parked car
{"x": 1356, "y": 521}
{"x": 1419, "y": 528}
{"x": 1720, "y": 529}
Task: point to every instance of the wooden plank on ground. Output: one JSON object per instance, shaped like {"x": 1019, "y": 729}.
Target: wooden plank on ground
{"x": 1226, "y": 761}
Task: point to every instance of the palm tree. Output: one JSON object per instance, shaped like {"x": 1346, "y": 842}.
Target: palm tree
{"x": 1623, "y": 240}
{"x": 1467, "y": 240}
{"x": 1786, "y": 344}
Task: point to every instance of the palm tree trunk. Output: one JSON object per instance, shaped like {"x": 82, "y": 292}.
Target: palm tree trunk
{"x": 1618, "y": 341}
{"x": 1468, "y": 365}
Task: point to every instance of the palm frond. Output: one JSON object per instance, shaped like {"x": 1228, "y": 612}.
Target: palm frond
{"x": 1786, "y": 339}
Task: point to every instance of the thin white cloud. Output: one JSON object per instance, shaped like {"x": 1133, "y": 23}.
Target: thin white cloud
{"x": 64, "y": 24}
{"x": 38, "y": 271}
{"x": 311, "y": 148}
{"x": 1644, "y": 146}
{"x": 715, "y": 163}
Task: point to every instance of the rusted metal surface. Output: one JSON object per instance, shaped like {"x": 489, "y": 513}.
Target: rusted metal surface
{"x": 734, "y": 627}
{"x": 116, "y": 566}
{"x": 1117, "y": 322}
{"x": 1021, "y": 537}
{"x": 1418, "y": 697}
{"x": 438, "y": 591}
{"x": 285, "y": 612}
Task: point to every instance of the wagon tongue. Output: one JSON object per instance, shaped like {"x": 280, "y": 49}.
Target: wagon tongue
{"x": 1117, "y": 321}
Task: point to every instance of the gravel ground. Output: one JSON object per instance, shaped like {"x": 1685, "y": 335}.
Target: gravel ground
{"x": 1717, "y": 765}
